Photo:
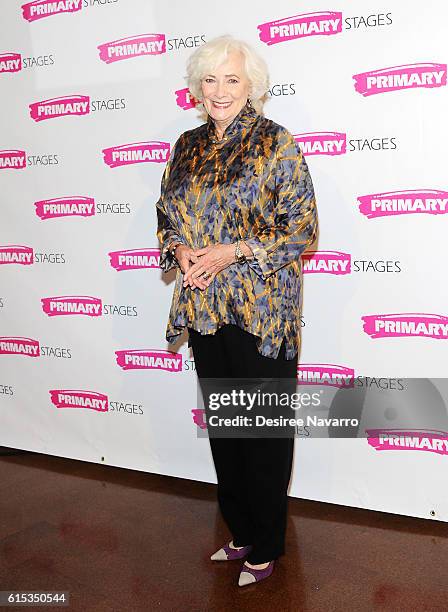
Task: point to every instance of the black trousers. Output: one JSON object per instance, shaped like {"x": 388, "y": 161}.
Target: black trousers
{"x": 252, "y": 473}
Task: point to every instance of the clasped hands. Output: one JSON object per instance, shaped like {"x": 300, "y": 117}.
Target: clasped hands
{"x": 208, "y": 261}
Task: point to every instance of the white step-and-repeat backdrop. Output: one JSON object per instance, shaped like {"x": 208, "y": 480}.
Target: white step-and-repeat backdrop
{"x": 93, "y": 95}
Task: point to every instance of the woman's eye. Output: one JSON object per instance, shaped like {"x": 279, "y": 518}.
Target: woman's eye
{"x": 233, "y": 81}
{"x": 208, "y": 80}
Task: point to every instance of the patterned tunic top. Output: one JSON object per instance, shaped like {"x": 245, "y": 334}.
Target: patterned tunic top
{"x": 253, "y": 185}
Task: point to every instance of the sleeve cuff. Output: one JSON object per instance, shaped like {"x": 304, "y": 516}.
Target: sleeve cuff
{"x": 260, "y": 262}
{"x": 167, "y": 261}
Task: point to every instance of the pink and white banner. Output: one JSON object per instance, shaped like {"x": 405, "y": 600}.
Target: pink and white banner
{"x": 93, "y": 98}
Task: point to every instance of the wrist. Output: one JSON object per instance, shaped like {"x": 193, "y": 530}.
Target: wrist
{"x": 172, "y": 248}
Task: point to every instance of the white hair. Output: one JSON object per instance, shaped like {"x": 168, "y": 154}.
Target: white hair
{"x": 213, "y": 53}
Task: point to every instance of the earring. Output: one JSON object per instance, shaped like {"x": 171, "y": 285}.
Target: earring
{"x": 249, "y": 102}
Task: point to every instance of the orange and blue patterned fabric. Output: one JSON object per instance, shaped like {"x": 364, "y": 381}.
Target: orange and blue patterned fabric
{"x": 252, "y": 185}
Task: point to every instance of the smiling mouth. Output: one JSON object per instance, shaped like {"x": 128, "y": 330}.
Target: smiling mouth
{"x": 221, "y": 104}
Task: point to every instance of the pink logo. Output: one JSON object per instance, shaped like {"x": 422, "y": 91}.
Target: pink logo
{"x": 326, "y": 262}
{"x": 412, "y": 439}
{"x": 72, "y": 305}
{"x": 431, "y": 201}
{"x": 137, "y": 153}
{"x": 133, "y": 46}
{"x": 45, "y": 8}
{"x": 184, "y": 99}
{"x": 299, "y": 26}
{"x": 322, "y": 143}
{"x": 134, "y": 259}
{"x": 59, "y": 107}
{"x": 407, "y": 76}
{"x": 10, "y": 62}
{"x": 70, "y": 206}
{"x": 406, "y": 324}
{"x": 72, "y": 398}
{"x": 16, "y": 254}
{"x": 149, "y": 359}
{"x": 199, "y": 417}
{"x": 12, "y": 158}
{"x": 15, "y": 345}
{"x": 325, "y": 374}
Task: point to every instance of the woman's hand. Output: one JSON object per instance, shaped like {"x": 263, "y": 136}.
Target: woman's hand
{"x": 185, "y": 256}
{"x": 211, "y": 260}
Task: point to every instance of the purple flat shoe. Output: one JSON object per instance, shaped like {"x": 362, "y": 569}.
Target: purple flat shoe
{"x": 249, "y": 575}
{"x": 229, "y": 554}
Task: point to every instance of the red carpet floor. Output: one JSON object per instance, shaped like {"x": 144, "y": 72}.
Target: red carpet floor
{"x": 121, "y": 540}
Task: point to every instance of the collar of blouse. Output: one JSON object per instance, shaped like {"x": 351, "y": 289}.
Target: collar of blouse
{"x": 243, "y": 120}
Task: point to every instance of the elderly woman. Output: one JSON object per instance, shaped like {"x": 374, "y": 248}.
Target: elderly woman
{"x": 237, "y": 209}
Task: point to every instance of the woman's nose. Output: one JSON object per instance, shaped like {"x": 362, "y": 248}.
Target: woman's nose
{"x": 221, "y": 90}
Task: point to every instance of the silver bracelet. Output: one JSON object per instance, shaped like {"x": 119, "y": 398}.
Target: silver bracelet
{"x": 239, "y": 255}
{"x": 173, "y": 248}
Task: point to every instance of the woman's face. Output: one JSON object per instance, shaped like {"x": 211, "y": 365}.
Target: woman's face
{"x": 225, "y": 92}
